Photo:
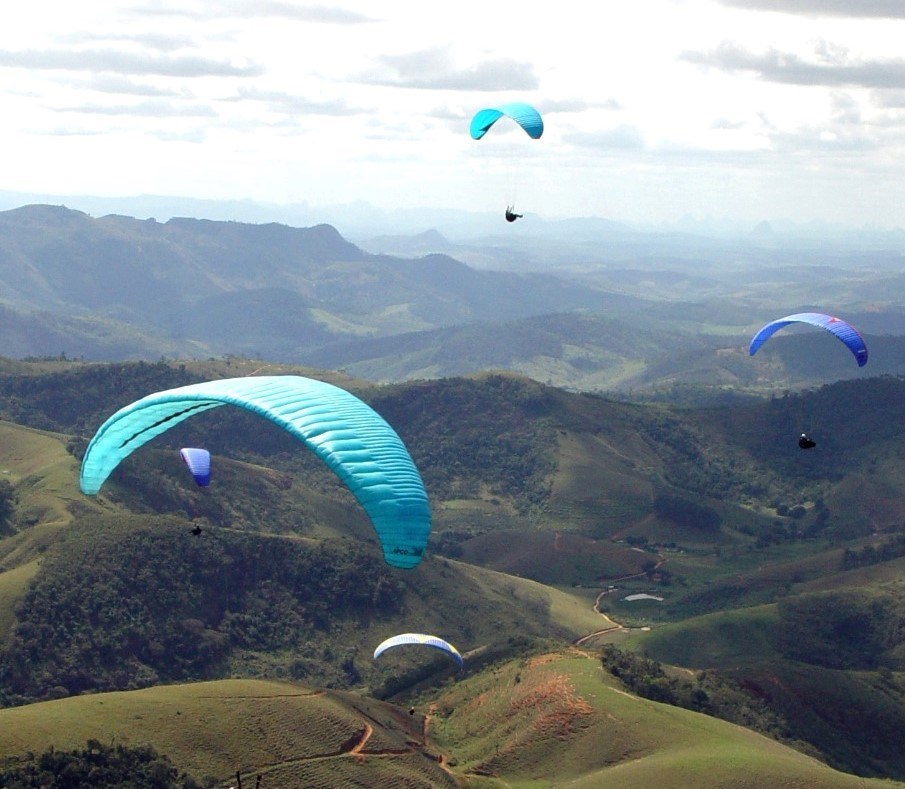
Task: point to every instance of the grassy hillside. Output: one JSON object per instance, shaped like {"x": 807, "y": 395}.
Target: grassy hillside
{"x": 123, "y": 602}
{"x": 550, "y": 719}
{"x": 45, "y": 480}
{"x": 795, "y": 557}
{"x": 717, "y": 493}
{"x": 829, "y": 653}
{"x": 559, "y": 719}
{"x": 292, "y": 735}
{"x": 44, "y": 474}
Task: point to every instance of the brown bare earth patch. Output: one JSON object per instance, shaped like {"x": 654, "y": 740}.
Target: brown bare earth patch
{"x": 540, "y": 660}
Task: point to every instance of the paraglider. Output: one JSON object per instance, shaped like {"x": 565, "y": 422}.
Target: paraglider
{"x": 196, "y": 530}
{"x": 405, "y": 639}
{"x": 806, "y": 442}
{"x": 523, "y": 114}
{"x": 199, "y": 463}
{"x": 348, "y": 435}
{"x": 846, "y": 333}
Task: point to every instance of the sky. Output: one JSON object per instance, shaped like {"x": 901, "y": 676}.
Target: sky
{"x": 654, "y": 110}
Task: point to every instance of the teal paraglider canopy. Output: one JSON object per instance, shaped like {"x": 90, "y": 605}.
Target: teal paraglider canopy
{"x": 836, "y": 326}
{"x": 523, "y": 114}
{"x": 405, "y": 639}
{"x": 347, "y": 434}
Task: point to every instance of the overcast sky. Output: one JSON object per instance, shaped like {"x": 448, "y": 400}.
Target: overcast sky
{"x": 654, "y": 109}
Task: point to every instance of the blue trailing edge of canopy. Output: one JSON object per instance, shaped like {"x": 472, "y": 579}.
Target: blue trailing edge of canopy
{"x": 844, "y": 331}
{"x": 523, "y": 114}
{"x": 347, "y": 434}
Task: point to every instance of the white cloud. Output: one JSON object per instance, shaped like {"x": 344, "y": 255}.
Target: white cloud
{"x": 882, "y": 9}
{"x": 620, "y": 137}
{"x": 149, "y": 109}
{"x": 254, "y": 9}
{"x": 435, "y": 69}
{"x": 113, "y": 61}
{"x": 279, "y": 101}
{"x": 652, "y": 110}
{"x": 828, "y": 66}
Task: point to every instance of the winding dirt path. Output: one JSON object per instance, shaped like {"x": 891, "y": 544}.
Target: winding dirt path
{"x": 355, "y": 746}
{"x": 356, "y": 749}
{"x": 344, "y": 751}
{"x": 612, "y": 624}
{"x": 425, "y": 742}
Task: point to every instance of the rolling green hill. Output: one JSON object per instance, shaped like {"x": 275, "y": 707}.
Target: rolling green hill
{"x": 558, "y": 719}
{"x": 124, "y": 602}
{"x": 553, "y": 719}
{"x": 700, "y": 511}
{"x": 292, "y": 735}
{"x": 828, "y": 653}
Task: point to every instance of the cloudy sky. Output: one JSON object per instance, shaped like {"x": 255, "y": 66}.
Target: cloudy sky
{"x": 654, "y": 109}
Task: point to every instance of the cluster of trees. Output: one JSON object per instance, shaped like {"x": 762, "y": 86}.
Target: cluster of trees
{"x": 706, "y": 452}
{"x": 498, "y": 433}
{"x": 466, "y": 434}
{"x": 707, "y": 692}
{"x": 686, "y": 512}
{"x": 749, "y": 451}
{"x": 8, "y": 500}
{"x": 890, "y": 548}
{"x": 845, "y": 629}
{"x": 126, "y": 604}
{"x": 43, "y": 399}
{"x": 261, "y": 499}
{"x": 96, "y": 764}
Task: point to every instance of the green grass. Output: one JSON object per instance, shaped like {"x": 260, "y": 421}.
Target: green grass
{"x": 45, "y": 478}
{"x": 717, "y": 640}
{"x": 560, "y": 561}
{"x": 13, "y": 584}
{"x": 44, "y": 475}
{"x": 573, "y": 613}
{"x": 870, "y": 576}
{"x": 560, "y": 720}
{"x": 294, "y": 735}
{"x": 550, "y": 720}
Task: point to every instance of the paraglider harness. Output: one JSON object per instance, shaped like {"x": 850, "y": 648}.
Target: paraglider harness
{"x": 511, "y": 216}
{"x": 806, "y": 442}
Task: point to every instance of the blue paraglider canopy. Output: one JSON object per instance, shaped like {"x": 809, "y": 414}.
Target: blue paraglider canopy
{"x": 523, "y": 114}
{"x": 845, "y": 332}
{"x": 199, "y": 463}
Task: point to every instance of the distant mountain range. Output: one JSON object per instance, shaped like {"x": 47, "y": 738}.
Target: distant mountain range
{"x": 116, "y": 287}
{"x": 228, "y": 287}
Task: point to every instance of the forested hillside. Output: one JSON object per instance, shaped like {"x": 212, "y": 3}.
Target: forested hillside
{"x": 656, "y": 514}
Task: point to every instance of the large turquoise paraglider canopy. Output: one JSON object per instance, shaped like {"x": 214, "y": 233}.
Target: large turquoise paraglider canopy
{"x": 419, "y": 638}
{"x": 523, "y": 114}
{"x": 348, "y": 435}
{"x": 844, "y": 331}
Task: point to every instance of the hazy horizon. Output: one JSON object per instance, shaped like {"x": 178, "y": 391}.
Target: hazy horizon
{"x": 657, "y": 111}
